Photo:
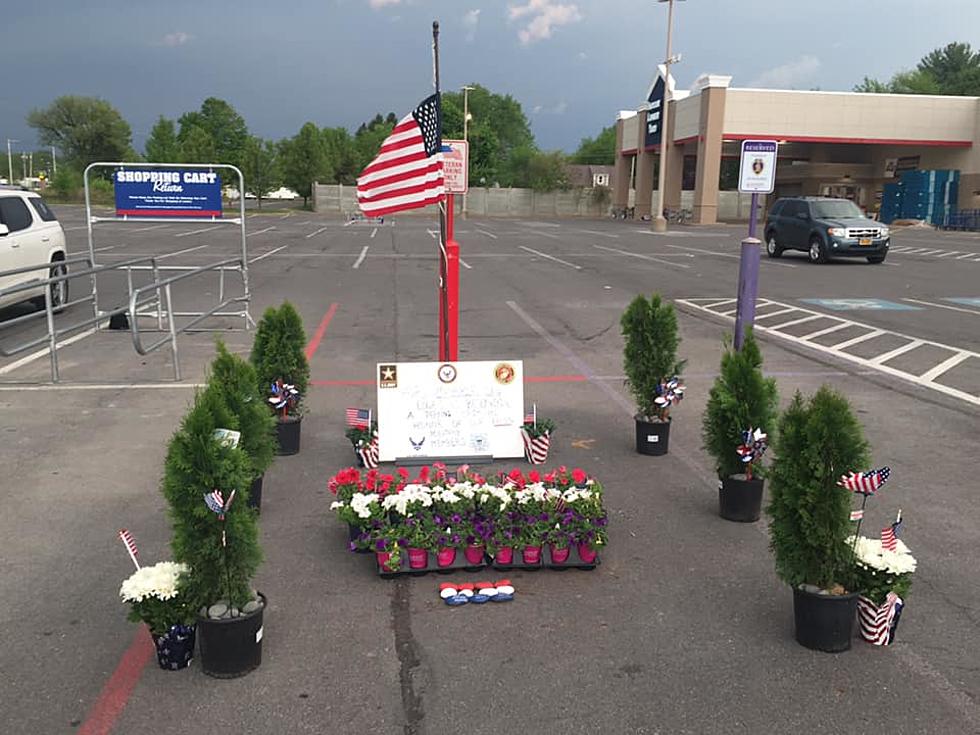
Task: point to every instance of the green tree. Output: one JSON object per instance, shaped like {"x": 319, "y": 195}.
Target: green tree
{"x": 84, "y": 129}
{"x": 341, "y": 155}
{"x": 196, "y": 146}
{"x": 278, "y": 351}
{"x": 304, "y": 161}
{"x": 260, "y": 167}
{"x": 953, "y": 70}
{"x": 598, "y": 151}
{"x": 196, "y": 464}
{"x": 741, "y": 398}
{"x": 369, "y": 137}
{"x": 224, "y": 126}
{"x": 237, "y": 385}
{"x": 162, "y": 145}
{"x": 649, "y": 327}
{"x": 818, "y": 441}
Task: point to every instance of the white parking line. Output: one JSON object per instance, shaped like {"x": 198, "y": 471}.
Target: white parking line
{"x": 26, "y": 360}
{"x": 317, "y": 232}
{"x": 793, "y": 322}
{"x": 931, "y": 252}
{"x": 374, "y": 232}
{"x": 926, "y": 379}
{"x": 360, "y": 258}
{"x": 266, "y": 255}
{"x": 550, "y": 257}
{"x": 642, "y": 257}
{"x": 259, "y": 232}
{"x": 913, "y": 251}
{"x": 465, "y": 264}
{"x": 488, "y": 234}
{"x": 964, "y": 257}
{"x": 181, "y": 252}
{"x": 147, "y": 229}
{"x": 944, "y": 306}
{"x": 197, "y": 232}
{"x": 726, "y": 255}
{"x": 600, "y": 234}
{"x": 950, "y": 252}
{"x": 548, "y": 234}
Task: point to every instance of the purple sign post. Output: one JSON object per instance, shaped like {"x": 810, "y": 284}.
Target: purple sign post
{"x": 757, "y": 175}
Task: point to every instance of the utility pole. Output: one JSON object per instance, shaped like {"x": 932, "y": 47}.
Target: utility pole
{"x": 466, "y": 124}
{"x": 23, "y": 168}
{"x": 54, "y": 162}
{"x": 660, "y": 222}
{"x": 10, "y": 162}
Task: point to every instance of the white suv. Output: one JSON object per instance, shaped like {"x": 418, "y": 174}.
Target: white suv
{"x": 30, "y": 234}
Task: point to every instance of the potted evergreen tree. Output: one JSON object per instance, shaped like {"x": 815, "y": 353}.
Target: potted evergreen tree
{"x": 741, "y": 400}
{"x": 216, "y": 535}
{"x": 819, "y": 439}
{"x": 280, "y": 362}
{"x": 235, "y": 382}
{"x": 649, "y": 327}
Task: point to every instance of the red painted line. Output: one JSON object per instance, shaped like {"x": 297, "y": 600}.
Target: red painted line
{"x": 116, "y": 692}
{"x": 320, "y": 331}
{"x": 527, "y": 379}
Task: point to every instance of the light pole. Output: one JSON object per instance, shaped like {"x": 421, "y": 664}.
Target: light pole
{"x": 660, "y": 222}
{"x": 10, "y": 162}
{"x": 54, "y": 162}
{"x": 466, "y": 129}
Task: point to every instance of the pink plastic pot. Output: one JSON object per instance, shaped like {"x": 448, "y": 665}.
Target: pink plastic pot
{"x": 587, "y": 553}
{"x": 560, "y": 556}
{"x": 532, "y": 554}
{"x": 474, "y": 554}
{"x": 445, "y": 556}
{"x": 418, "y": 558}
{"x": 384, "y": 558}
{"x": 505, "y": 555}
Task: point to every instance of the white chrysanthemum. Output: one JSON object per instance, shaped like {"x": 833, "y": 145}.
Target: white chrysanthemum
{"x": 870, "y": 552}
{"x": 159, "y": 581}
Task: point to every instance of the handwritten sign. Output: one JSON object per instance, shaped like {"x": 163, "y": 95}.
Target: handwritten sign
{"x": 437, "y": 410}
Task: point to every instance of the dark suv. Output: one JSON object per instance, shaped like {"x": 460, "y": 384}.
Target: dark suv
{"x": 824, "y": 228}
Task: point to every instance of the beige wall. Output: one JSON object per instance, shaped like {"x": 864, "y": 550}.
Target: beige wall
{"x": 686, "y": 115}
{"x": 792, "y": 113}
{"x": 630, "y": 132}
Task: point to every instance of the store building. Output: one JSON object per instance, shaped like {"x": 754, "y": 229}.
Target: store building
{"x": 844, "y": 144}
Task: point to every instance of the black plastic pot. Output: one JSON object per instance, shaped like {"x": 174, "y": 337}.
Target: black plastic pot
{"x": 824, "y": 622}
{"x": 287, "y": 433}
{"x": 255, "y": 493}
{"x": 740, "y": 499}
{"x": 652, "y": 437}
{"x": 231, "y": 647}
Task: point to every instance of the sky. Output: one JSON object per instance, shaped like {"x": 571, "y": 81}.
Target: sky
{"x": 571, "y": 63}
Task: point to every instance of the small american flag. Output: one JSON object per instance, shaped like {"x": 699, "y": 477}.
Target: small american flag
{"x": 215, "y": 501}
{"x": 857, "y": 515}
{"x": 407, "y": 173}
{"x": 865, "y": 483}
{"x": 130, "y": 543}
{"x": 358, "y": 417}
{"x": 889, "y": 535}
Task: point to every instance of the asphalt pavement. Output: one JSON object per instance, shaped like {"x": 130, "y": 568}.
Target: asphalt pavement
{"x": 683, "y": 628}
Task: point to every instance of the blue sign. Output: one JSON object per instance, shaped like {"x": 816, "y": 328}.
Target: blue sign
{"x": 859, "y": 304}
{"x": 654, "y": 115}
{"x": 159, "y": 192}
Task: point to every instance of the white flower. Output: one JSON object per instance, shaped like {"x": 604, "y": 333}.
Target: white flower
{"x": 159, "y": 581}
{"x": 360, "y": 503}
{"x": 870, "y": 552}
{"x": 336, "y": 505}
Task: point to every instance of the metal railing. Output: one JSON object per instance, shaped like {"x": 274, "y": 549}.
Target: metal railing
{"x": 164, "y": 296}
{"x": 54, "y": 334}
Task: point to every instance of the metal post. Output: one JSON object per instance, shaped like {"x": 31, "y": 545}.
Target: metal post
{"x": 52, "y": 337}
{"x": 466, "y": 128}
{"x": 443, "y": 215}
{"x": 173, "y": 332}
{"x": 156, "y": 279}
{"x": 241, "y": 214}
{"x": 91, "y": 243}
{"x": 10, "y": 162}
{"x": 660, "y": 222}
{"x": 748, "y": 278}
{"x": 54, "y": 162}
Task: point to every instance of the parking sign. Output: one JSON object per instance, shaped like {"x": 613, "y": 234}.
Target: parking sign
{"x": 456, "y": 165}
{"x": 757, "y": 172}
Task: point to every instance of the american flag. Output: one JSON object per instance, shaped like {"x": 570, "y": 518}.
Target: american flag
{"x": 408, "y": 171}
{"x": 866, "y": 483}
{"x": 890, "y": 534}
{"x": 358, "y": 417}
{"x": 130, "y": 543}
{"x": 215, "y": 501}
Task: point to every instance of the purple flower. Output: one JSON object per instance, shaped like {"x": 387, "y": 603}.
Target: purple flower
{"x": 410, "y": 522}
{"x": 443, "y": 541}
{"x": 381, "y": 545}
{"x": 437, "y": 519}
{"x": 456, "y": 517}
{"x": 508, "y": 534}
{"x": 544, "y": 517}
{"x": 351, "y": 546}
{"x": 456, "y": 539}
{"x": 471, "y": 540}
{"x": 600, "y": 522}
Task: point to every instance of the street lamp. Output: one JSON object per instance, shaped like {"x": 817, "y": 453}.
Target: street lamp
{"x": 10, "y": 162}
{"x": 660, "y": 222}
{"x": 466, "y": 127}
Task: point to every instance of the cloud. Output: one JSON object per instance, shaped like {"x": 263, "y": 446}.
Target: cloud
{"x": 381, "y": 3}
{"x": 470, "y": 22}
{"x": 789, "y": 75}
{"x": 558, "y": 109}
{"x": 543, "y": 16}
{"x": 179, "y": 38}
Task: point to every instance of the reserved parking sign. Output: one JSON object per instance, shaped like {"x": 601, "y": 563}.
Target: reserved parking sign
{"x": 757, "y": 172}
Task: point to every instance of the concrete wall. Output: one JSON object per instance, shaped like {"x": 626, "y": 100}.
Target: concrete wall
{"x": 337, "y": 199}
{"x": 631, "y": 129}
{"x": 851, "y": 116}
{"x": 686, "y": 116}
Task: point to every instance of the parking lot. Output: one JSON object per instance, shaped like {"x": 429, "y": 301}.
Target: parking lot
{"x": 684, "y": 626}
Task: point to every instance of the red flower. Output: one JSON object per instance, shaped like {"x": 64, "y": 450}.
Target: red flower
{"x": 550, "y": 478}
{"x": 579, "y": 477}
{"x": 371, "y": 479}
{"x": 402, "y": 473}
{"x": 516, "y": 477}
{"x": 534, "y": 476}
{"x": 423, "y": 475}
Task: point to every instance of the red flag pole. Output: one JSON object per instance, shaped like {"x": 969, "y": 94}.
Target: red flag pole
{"x": 444, "y": 223}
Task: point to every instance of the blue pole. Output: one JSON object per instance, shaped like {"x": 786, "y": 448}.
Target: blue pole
{"x": 748, "y": 277}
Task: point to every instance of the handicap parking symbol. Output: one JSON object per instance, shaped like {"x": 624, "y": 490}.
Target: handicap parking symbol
{"x": 861, "y": 304}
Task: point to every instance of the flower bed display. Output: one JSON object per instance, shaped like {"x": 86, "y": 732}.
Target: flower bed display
{"x": 440, "y": 521}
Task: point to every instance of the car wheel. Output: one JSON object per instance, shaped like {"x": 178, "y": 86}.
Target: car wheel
{"x": 59, "y": 290}
{"x": 817, "y": 252}
{"x": 876, "y": 259}
{"x": 772, "y": 249}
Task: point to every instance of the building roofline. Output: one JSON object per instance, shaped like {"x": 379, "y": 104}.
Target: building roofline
{"x": 855, "y": 94}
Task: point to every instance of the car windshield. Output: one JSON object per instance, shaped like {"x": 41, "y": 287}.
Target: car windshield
{"x": 836, "y": 209}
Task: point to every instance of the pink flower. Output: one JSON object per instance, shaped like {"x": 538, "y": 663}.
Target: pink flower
{"x": 578, "y": 476}
{"x": 534, "y": 476}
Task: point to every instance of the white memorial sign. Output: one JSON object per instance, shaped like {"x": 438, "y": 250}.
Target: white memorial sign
{"x": 455, "y": 166}
{"x": 457, "y": 409}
